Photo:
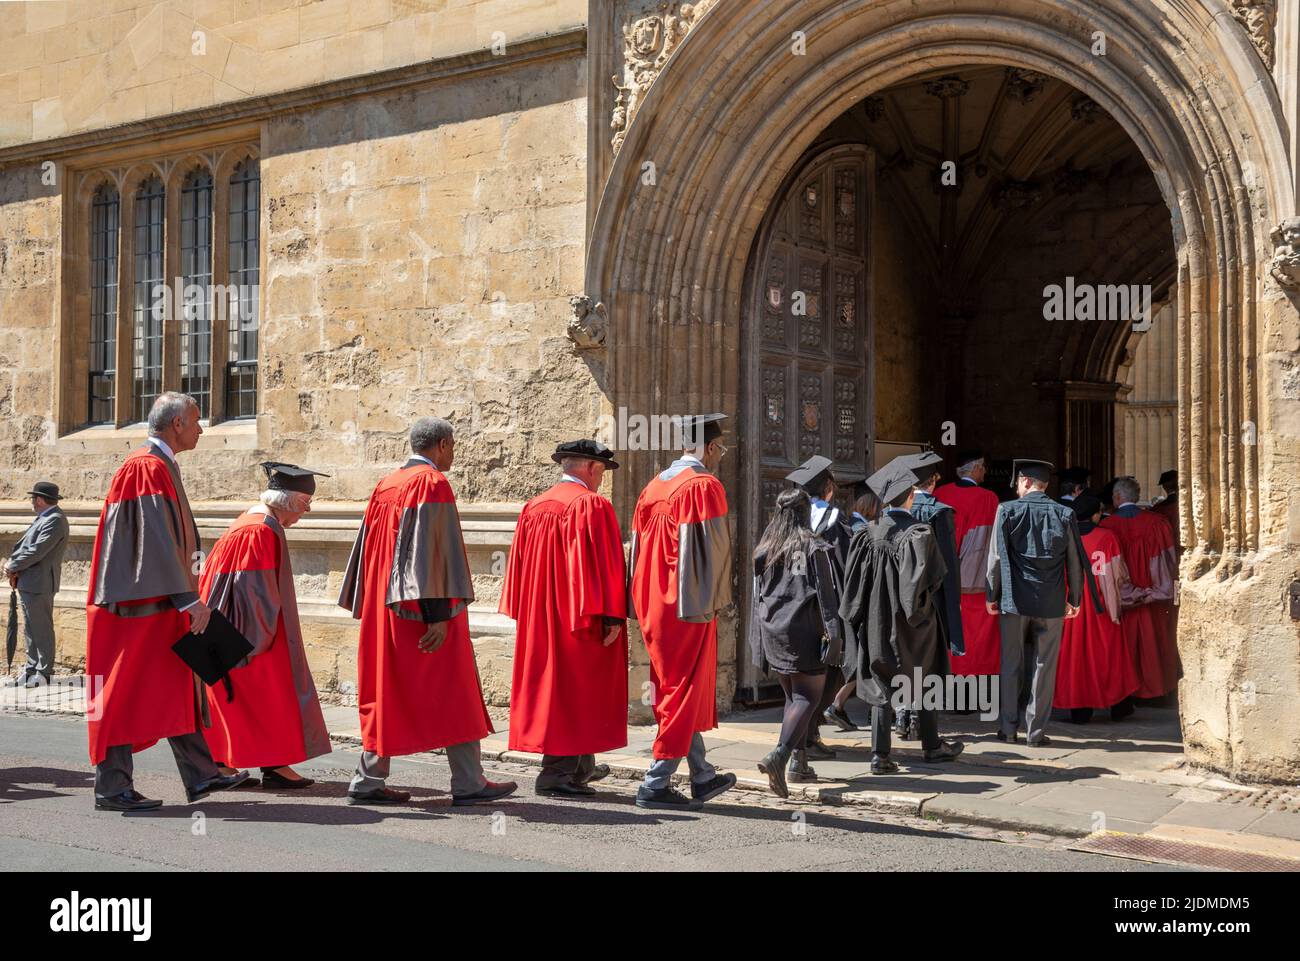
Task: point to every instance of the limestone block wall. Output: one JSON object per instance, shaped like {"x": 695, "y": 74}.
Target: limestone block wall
{"x": 419, "y": 249}
{"x": 68, "y": 66}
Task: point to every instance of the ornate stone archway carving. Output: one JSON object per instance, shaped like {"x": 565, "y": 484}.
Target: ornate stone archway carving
{"x": 733, "y": 108}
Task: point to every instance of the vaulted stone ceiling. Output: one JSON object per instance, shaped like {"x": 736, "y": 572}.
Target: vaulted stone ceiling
{"x": 1024, "y": 145}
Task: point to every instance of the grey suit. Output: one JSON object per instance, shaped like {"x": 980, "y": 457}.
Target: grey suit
{"x": 38, "y": 561}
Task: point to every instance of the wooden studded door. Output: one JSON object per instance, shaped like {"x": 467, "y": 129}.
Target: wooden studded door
{"x": 808, "y": 337}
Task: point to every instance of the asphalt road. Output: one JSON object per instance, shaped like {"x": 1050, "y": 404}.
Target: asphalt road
{"x": 47, "y": 823}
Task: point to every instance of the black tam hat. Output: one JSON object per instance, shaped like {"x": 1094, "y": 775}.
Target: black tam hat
{"x": 590, "y": 449}
{"x": 290, "y": 477}
{"x": 812, "y": 475}
{"x": 1168, "y": 479}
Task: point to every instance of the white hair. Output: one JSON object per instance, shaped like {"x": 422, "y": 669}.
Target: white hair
{"x": 166, "y": 409}
{"x": 970, "y": 465}
{"x": 294, "y": 502}
{"x": 1128, "y": 489}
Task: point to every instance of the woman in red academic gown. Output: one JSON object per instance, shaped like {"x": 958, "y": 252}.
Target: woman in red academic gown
{"x": 566, "y": 588}
{"x": 1096, "y": 667}
{"x": 275, "y": 717}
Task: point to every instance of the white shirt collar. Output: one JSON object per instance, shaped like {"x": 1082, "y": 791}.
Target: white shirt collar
{"x": 691, "y": 459}
{"x": 425, "y": 459}
{"x": 162, "y": 446}
{"x": 576, "y": 480}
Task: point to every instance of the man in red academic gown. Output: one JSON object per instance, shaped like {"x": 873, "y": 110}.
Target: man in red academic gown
{"x": 275, "y": 718}
{"x": 408, "y": 582}
{"x": 143, "y": 597}
{"x": 566, "y": 588}
{"x": 1152, "y": 559}
{"x": 975, "y": 507}
{"x": 681, "y": 579}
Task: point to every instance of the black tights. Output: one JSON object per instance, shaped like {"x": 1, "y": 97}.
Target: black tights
{"x": 803, "y": 693}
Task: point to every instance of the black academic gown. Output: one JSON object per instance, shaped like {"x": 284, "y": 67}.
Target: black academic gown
{"x": 892, "y": 580}
{"x": 943, "y": 521}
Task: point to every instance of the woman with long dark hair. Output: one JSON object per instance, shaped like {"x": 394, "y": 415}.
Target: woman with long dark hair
{"x": 795, "y": 630}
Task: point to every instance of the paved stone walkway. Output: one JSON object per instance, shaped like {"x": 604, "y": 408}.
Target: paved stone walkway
{"x": 1127, "y": 777}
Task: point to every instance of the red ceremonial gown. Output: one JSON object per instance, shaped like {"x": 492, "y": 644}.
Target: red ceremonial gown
{"x": 408, "y": 569}
{"x": 566, "y": 572}
{"x": 1148, "y": 547}
{"x": 976, "y": 508}
{"x": 275, "y": 718}
{"x": 1096, "y": 667}
{"x": 141, "y": 568}
{"x": 681, "y": 579}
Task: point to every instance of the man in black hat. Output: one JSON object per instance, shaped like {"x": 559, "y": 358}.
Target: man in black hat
{"x": 893, "y": 575}
{"x": 1036, "y": 579}
{"x": 34, "y": 570}
{"x": 1168, "y": 507}
{"x": 565, "y": 588}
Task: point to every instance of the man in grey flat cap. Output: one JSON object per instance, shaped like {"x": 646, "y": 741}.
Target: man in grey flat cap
{"x": 34, "y": 570}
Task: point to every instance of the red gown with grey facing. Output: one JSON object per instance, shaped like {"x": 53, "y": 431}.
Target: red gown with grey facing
{"x": 409, "y": 567}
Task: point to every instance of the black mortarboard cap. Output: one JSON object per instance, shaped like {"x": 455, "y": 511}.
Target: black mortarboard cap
{"x": 590, "y": 449}
{"x": 924, "y": 465}
{"x": 812, "y": 474}
{"x": 969, "y": 455}
{"x": 1086, "y": 506}
{"x": 290, "y": 477}
{"x": 212, "y": 654}
{"x": 1039, "y": 470}
{"x": 892, "y": 480}
{"x": 699, "y": 429}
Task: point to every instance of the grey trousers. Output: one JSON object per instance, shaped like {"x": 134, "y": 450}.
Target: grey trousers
{"x": 565, "y": 769}
{"x": 661, "y": 772}
{"x": 38, "y": 632}
{"x": 113, "y": 775}
{"x": 466, "y": 770}
{"x": 1037, "y": 639}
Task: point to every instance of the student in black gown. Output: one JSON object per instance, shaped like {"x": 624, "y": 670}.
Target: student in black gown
{"x": 795, "y": 630}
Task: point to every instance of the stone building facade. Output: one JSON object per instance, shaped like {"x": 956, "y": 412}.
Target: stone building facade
{"x": 530, "y": 216}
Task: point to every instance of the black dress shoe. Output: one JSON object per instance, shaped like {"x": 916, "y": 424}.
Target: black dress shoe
{"x": 818, "y": 750}
{"x": 272, "y": 779}
{"x": 665, "y": 799}
{"x": 1122, "y": 710}
{"x": 712, "y": 788}
{"x": 127, "y": 801}
{"x": 840, "y": 718}
{"x": 883, "y": 765}
{"x": 1013, "y": 738}
{"x": 566, "y": 789}
{"x": 222, "y": 782}
{"x": 491, "y": 791}
{"x": 382, "y": 795}
{"x": 946, "y": 751}
{"x": 598, "y": 773}
{"x": 1043, "y": 741}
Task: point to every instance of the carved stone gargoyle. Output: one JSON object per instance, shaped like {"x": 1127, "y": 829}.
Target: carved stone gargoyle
{"x": 589, "y": 324}
{"x": 1286, "y": 253}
